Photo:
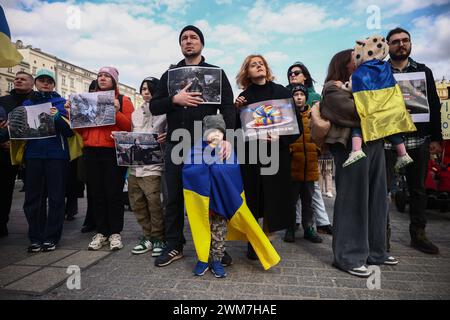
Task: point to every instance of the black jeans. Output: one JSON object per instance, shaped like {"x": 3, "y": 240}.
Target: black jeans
{"x": 105, "y": 180}
{"x": 174, "y": 213}
{"x": 415, "y": 174}
{"x": 45, "y": 178}
{"x": 305, "y": 190}
{"x": 8, "y": 175}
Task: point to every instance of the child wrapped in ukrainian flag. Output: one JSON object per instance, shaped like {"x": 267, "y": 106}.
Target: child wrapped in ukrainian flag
{"x": 379, "y": 101}
{"x": 215, "y": 203}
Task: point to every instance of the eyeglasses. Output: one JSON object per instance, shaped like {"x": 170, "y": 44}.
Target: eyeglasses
{"x": 295, "y": 73}
{"x": 398, "y": 41}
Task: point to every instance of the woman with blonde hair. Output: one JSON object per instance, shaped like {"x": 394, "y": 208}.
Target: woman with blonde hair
{"x": 268, "y": 196}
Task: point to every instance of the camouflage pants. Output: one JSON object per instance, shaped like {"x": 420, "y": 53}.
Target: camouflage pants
{"x": 218, "y": 234}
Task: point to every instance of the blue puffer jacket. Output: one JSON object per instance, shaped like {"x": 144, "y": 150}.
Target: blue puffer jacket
{"x": 51, "y": 148}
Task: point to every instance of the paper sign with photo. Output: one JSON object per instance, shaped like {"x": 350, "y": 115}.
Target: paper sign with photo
{"x": 445, "y": 119}
{"x": 414, "y": 89}
{"x": 271, "y": 116}
{"x": 207, "y": 81}
{"x": 31, "y": 122}
{"x": 95, "y": 109}
{"x": 134, "y": 149}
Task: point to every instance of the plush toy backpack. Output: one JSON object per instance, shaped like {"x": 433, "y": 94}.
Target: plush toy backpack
{"x": 374, "y": 47}
{"x": 378, "y": 98}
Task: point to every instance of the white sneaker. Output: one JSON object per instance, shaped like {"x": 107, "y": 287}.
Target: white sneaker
{"x": 353, "y": 157}
{"x": 329, "y": 195}
{"x": 115, "y": 242}
{"x": 98, "y": 241}
{"x": 360, "y": 272}
{"x": 402, "y": 162}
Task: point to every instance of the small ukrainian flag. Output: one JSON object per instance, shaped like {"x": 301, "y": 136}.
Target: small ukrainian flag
{"x": 210, "y": 184}
{"x": 9, "y": 56}
{"x": 379, "y": 101}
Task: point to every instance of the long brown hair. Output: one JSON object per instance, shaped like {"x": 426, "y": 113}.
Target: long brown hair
{"x": 337, "y": 70}
{"x": 243, "y": 79}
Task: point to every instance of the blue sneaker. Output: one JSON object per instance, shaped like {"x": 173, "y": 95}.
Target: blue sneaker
{"x": 200, "y": 268}
{"x": 218, "y": 270}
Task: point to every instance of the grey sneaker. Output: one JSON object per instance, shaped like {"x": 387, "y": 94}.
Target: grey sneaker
{"x": 158, "y": 248}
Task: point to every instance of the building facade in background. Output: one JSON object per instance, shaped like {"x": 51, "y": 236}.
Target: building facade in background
{"x": 70, "y": 78}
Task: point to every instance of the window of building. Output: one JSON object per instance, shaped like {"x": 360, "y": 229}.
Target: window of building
{"x": 10, "y": 85}
{"x": 22, "y": 69}
{"x": 63, "y": 80}
{"x": 10, "y": 70}
{"x": 64, "y": 94}
{"x": 86, "y": 87}
{"x": 34, "y": 71}
{"x": 72, "y": 82}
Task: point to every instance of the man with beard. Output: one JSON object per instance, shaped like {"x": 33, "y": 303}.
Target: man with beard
{"x": 182, "y": 110}
{"x": 419, "y": 144}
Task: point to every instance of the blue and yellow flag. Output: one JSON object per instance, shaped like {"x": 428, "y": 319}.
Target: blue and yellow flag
{"x": 9, "y": 56}
{"x": 210, "y": 184}
{"x": 379, "y": 101}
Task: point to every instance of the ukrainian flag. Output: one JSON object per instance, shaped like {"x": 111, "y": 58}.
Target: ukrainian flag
{"x": 9, "y": 56}
{"x": 379, "y": 101}
{"x": 210, "y": 184}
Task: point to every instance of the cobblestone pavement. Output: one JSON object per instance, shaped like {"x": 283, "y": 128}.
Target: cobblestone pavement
{"x": 305, "y": 271}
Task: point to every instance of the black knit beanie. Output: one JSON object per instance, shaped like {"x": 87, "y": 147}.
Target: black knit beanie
{"x": 302, "y": 88}
{"x": 196, "y": 30}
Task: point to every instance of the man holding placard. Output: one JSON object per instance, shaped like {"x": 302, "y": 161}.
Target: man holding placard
{"x": 419, "y": 91}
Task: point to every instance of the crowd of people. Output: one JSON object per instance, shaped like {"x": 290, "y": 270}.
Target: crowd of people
{"x": 284, "y": 200}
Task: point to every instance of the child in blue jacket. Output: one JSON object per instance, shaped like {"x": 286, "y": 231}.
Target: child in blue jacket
{"x": 46, "y": 165}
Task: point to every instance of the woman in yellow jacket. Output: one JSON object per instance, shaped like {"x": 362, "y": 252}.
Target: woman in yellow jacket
{"x": 304, "y": 171}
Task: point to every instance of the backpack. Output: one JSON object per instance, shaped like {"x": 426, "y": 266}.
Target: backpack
{"x": 319, "y": 126}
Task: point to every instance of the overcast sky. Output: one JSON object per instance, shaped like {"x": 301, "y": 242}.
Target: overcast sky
{"x": 140, "y": 37}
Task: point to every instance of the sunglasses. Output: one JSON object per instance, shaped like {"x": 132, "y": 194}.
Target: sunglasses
{"x": 398, "y": 41}
{"x": 295, "y": 73}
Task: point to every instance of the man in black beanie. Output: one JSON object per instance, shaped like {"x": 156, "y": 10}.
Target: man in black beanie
{"x": 182, "y": 110}
{"x": 195, "y": 30}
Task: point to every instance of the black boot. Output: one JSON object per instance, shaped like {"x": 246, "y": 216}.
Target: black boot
{"x": 251, "y": 254}
{"x": 327, "y": 229}
{"x": 71, "y": 208}
{"x": 311, "y": 235}
{"x": 289, "y": 236}
{"x": 226, "y": 260}
{"x": 3, "y": 230}
{"x": 420, "y": 241}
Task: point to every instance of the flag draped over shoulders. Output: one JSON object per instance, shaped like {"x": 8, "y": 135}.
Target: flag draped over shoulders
{"x": 212, "y": 185}
{"x": 379, "y": 101}
{"x": 9, "y": 56}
